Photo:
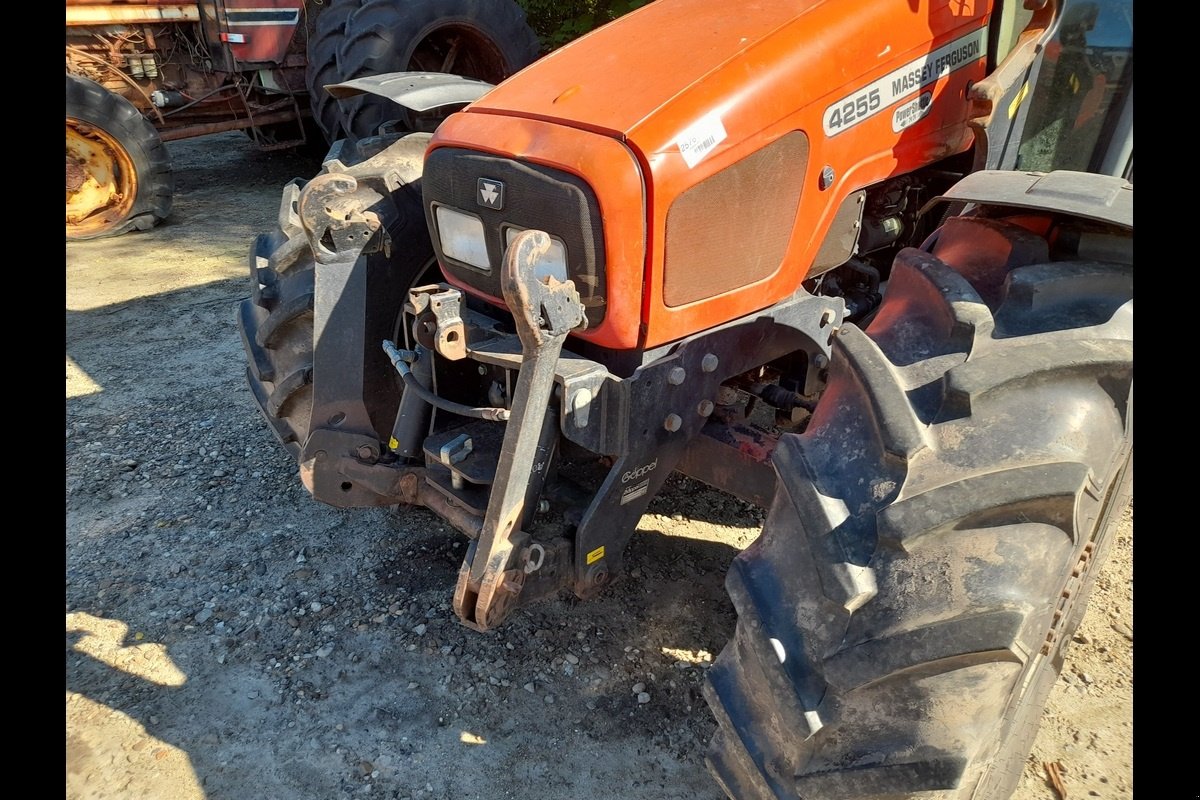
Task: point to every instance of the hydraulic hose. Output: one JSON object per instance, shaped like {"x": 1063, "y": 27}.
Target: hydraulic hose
{"x": 400, "y": 359}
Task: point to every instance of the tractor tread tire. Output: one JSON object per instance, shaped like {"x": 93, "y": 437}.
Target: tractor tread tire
{"x": 90, "y": 102}
{"x": 902, "y": 618}
{"x": 323, "y": 70}
{"x": 277, "y": 321}
{"x": 382, "y": 36}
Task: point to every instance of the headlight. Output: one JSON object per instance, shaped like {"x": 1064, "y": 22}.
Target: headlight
{"x": 462, "y": 238}
{"x": 553, "y": 263}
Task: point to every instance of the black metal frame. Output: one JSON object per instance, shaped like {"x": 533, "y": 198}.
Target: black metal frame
{"x": 649, "y": 424}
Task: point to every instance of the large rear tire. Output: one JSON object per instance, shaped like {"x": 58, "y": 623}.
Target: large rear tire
{"x": 277, "y": 321}
{"x": 935, "y": 531}
{"x": 118, "y": 170}
{"x": 484, "y": 39}
{"x": 323, "y": 68}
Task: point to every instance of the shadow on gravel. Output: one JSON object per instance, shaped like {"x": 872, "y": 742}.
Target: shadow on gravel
{"x": 265, "y": 703}
{"x": 143, "y": 344}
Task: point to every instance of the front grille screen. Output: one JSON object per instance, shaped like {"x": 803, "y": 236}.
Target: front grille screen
{"x": 732, "y": 229}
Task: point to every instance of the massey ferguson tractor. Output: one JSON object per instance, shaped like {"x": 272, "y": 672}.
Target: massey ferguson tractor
{"x": 867, "y": 264}
{"x": 144, "y": 72}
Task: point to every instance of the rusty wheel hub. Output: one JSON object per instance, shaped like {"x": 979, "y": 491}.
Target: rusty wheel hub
{"x": 101, "y": 180}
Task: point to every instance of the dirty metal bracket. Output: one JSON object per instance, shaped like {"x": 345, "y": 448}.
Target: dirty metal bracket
{"x": 670, "y": 400}
{"x": 333, "y": 212}
{"x": 440, "y": 307}
{"x": 493, "y": 572}
{"x": 592, "y": 399}
{"x": 346, "y": 222}
{"x": 591, "y": 410}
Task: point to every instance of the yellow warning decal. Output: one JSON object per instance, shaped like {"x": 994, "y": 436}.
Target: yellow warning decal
{"x": 392, "y": 443}
{"x": 596, "y": 555}
{"x": 1016, "y": 103}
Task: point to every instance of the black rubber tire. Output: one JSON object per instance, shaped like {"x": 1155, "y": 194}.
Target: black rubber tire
{"x": 322, "y": 69}
{"x": 277, "y": 320}
{"x": 91, "y": 103}
{"x": 396, "y": 36}
{"x": 935, "y": 532}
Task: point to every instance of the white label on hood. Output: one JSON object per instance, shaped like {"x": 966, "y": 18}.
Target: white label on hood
{"x": 700, "y": 139}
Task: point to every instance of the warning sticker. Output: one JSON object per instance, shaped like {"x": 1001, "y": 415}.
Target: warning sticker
{"x": 635, "y": 491}
{"x": 700, "y": 138}
{"x": 595, "y": 555}
{"x": 900, "y": 83}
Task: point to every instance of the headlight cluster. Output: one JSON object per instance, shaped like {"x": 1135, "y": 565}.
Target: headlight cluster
{"x": 462, "y": 238}
{"x": 477, "y": 203}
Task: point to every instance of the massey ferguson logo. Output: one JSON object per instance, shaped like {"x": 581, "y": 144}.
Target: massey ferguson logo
{"x": 490, "y": 194}
{"x": 640, "y": 472}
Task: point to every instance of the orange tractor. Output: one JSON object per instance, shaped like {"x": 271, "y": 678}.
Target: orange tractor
{"x": 866, "y": 264}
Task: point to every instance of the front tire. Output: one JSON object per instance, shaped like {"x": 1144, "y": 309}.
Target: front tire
{"x": 118, "y": 170}
{"x": 935, "y": 531}
{"x": 277, "y": 320}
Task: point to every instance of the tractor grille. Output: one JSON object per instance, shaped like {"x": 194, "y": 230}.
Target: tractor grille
{"x": 533, "y": 196}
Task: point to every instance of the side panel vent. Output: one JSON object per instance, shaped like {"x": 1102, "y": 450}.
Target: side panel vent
{"x": 733, "y": 228}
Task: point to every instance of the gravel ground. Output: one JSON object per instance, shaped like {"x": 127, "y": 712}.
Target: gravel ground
{"x": 228, "y": 637}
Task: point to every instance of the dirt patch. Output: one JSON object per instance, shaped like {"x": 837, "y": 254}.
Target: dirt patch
{"x": 229, "y": 637}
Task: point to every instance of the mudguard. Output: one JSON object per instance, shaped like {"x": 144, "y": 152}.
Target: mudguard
{"x": 419, "y": 91}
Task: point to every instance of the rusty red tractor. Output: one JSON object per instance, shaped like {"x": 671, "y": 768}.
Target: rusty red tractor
{"x": 146, "y": 72}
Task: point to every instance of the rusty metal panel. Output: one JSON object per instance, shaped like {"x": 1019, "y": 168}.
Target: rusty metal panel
{"x": 259, "y": 31}
{"x": 105, "y": 14}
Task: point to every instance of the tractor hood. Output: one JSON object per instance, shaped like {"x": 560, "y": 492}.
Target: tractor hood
{"x": 621, "y": 74}
{"x": 700, "y": 131}
{"x": 662, "y": 74}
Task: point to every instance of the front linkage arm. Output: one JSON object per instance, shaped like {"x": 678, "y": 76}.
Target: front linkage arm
{"x": 494, "y": 570}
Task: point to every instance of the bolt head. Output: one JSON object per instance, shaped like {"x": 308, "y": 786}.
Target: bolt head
{"x": 676, "y": 376}
{"x": 709, "y": 362}
{"x": 673, "y": 422}
{"x": 705, "y": 408}
{"x": 597, "y": 575}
